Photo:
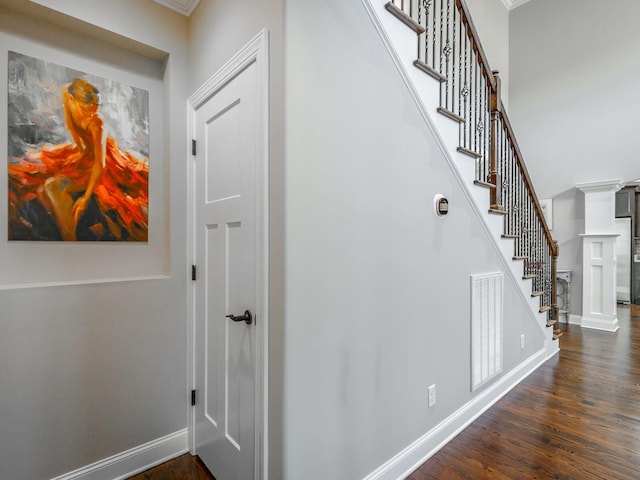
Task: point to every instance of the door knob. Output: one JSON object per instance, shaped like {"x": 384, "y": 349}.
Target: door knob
{"x": 246, "y": 317}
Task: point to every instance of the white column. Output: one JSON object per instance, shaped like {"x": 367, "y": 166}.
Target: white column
{"x": 599, "y": 255}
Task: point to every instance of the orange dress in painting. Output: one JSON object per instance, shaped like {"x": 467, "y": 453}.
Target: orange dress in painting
{"x": 86, "y": 190}
{"x": 121, "y": 191}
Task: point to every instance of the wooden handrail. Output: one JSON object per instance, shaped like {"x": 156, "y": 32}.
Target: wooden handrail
{"x": 496, "y": 103}
{"x": 470, "y": 94}
{"x": 527, "y": 179}
{"x": 465, "y": 16}
{"x": 496, "y": 109}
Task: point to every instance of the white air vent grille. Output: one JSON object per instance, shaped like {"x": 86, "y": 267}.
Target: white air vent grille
{"x": 486, "y": 327}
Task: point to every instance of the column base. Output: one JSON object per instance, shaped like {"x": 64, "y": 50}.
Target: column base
{"x": 600, "y": 323}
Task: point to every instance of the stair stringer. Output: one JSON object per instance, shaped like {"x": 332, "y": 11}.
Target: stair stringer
{"x": 401, "y": 44}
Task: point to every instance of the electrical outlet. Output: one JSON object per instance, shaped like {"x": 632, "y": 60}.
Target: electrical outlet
{"x": 432, "y": 395}
{"x": 522, "y": 341}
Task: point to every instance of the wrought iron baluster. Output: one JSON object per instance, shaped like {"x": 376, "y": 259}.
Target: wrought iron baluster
{"x": 536, "y": 256}
{"x": 500, "y": 183}
{"x": 447, "y": 54}
{"x": 482, "y": 107}
{"x": 536, "y": 249}
{"x": 506, "y": 182}
{"x": 518, "y": 209}
{"x": 521, "y": 217}
{"x": 542, "y": 260}
{"x": 525, "y": 218}
{"x": 420, "y": 36}
{"x": 454, "y": 90}
{"x": 531, "y": 233}
{"x": 434, "y": 48}
{"x": 442, "y": 56}
{"x": 550, "y": 280}
{"x": 473, "y": 117}
{"x": 469, "y": 101}
{"x": 525, "y": 223}
{"x": 426, "y": 5}
{"x": 528, "y": 225}
{"x": 465, "y": 92}
{"x": 514, "y": 189}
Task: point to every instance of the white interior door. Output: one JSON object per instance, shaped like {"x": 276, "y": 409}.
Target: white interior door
{"x": 226, "y": 246}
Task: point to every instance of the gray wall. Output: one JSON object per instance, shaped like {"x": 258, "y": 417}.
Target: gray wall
{"x": 377, "y": 288}
{"x": 369, "y": 291}
{"x": 91, "y": 370}
{"x": 574, "y": 94}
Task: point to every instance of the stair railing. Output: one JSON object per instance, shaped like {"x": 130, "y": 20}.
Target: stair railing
{"x": 449, "y": 50}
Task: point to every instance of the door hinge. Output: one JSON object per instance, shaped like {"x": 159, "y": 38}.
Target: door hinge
{"x": 193, "y": 147}
{"x": 193, "y": 272}
{"x": 193, "y": 398}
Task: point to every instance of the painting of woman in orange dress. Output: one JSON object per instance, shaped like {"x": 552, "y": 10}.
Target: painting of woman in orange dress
{"x": 69, "y": 178}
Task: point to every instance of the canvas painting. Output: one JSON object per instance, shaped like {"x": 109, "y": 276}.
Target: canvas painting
{"x": 78, "y": 148}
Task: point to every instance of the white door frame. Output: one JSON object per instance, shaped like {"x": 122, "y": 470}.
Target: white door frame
{"x": 257, "y": 50}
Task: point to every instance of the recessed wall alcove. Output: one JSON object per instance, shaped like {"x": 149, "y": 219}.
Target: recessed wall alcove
{"x": 37, "y": 31}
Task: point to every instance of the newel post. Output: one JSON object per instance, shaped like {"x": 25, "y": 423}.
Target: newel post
{"x": 496, "y": 108}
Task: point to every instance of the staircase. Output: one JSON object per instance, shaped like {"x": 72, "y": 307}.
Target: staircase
{"x": 447, "y": 70}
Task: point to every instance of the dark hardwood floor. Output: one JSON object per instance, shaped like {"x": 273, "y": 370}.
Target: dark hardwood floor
{"x": 575, "y": 418}
{"x": 185, "y": 467}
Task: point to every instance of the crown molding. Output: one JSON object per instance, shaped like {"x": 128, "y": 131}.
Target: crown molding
{"x": 185, "y": 7}
{"x": 511, "y": 4}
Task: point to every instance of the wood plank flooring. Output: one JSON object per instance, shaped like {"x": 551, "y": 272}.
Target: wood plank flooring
{"x": 575, "y": 418}
{"x": 185, "y": 467}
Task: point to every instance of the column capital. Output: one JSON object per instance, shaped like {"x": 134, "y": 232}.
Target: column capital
{"x": 599, "y": 205}
{"x": 600, "y": 186}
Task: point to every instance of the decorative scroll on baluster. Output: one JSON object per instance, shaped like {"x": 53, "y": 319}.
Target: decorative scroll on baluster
{"x": 449, "y": 50}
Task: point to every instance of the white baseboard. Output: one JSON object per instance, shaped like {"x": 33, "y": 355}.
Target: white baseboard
{"x": 408, "y": 460}
{"x": 133, "y": 461}
{"x": 575, "y": 319}
{"x": 605, "y": 323}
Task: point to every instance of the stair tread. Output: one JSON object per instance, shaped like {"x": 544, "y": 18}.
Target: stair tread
{"x": 404, "y": 18}
{"x": 480, "y": 183}
{"x": 432, "y": 72}
{"x": 522, "y": 258}
{"x": 528, "y": 277}
{"x": 557, "y": 334}
{"x": 537, "y": 294}
{"x": 470, "y": 153}
{"x": 544, "y": 309}
{"x": 497, "y": 211}
{"x": 505, "y": 235}
{"x": 551, "y": 323}
{"x": 449, "y": 114}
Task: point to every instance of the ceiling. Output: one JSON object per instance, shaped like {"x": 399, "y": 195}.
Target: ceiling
{"x": 185, "y": 7}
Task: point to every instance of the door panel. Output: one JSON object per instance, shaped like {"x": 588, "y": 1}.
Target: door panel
{"x": 225, "y": 236}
